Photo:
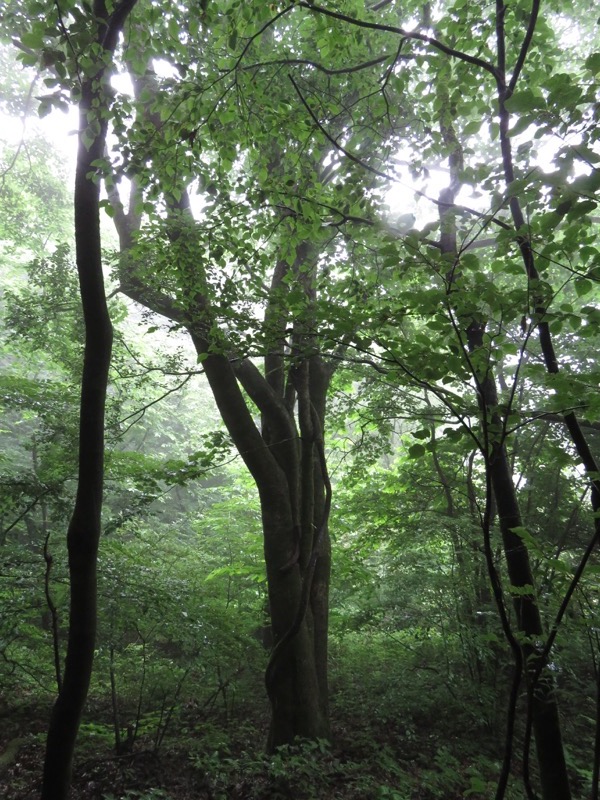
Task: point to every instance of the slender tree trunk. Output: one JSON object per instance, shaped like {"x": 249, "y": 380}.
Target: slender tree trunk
{"x": 320, "y": 378}
{"x": 84, "y": 528}
{"x": 85, "y": 525}
{"x": 553, "y": 770}
{"x": 545, "y": 717}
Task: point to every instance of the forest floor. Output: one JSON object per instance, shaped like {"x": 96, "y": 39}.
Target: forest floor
{"x": 209, "y": 757}
{"x": 403, "y": 728}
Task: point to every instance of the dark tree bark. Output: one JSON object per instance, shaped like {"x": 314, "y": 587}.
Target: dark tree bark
{"x": 545, "y": 716}
{"x": 291, "y": 479}
{"x": 544, "y": 708}
{"x": 84, "y": 528}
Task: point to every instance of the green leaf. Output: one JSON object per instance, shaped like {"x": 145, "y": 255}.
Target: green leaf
{"x": 105, "y": 204}
{"x": 34, "y": 40}
{"x": 523, "y": 101}
{"x": 45, "y": 107}
{"x": 592, "y": 63}
{"x": 521, "y": 124}
{"x": 472, "y": 127}
{"x": 583, "y": 286}
{"x": 581, "y": 209}
{"x": 87, "y": 138}
{"x": 515, "y": 188}
{"x": 416, "y": 451}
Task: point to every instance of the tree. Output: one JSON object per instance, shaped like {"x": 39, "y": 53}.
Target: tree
{"x": 197, "y": 259}
{"x": 259, "y": 183}
{"x": 99, "y": 30}
{"x": 286, "y": 458}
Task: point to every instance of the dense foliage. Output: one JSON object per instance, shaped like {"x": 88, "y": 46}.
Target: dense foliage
{"x": 351, "y": 501}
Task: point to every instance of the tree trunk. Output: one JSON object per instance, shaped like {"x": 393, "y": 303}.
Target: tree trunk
{"x": 85, "y": 525}
{"x": 320, "y": 378}
{"x": 545, "y": 717}
{"x": 293, "y": 683}
{"x": 289, "y": 487}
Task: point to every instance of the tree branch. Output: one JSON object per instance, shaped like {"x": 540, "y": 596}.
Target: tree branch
{"x": 525, "y": 46}
{"x": 265, "y": 398}
{"x": 421, "y": 37}
{"x": 306, "y": 62}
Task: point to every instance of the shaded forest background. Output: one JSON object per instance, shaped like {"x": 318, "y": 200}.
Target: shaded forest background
{"x": 342, "y": 540}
